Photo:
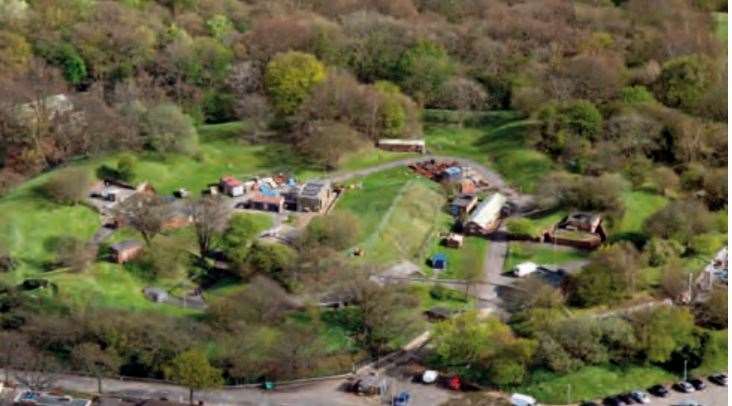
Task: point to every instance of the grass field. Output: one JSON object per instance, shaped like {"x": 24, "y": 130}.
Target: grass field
{"x": 541, "y": 254}
{"x": 591, "y": 383}
{"x": 460, "y": 261}
{"x": 500, "y": 143}
{"x": 405, "y": 230}
{"x": 721, "y": 26}
{"x": 639, "y": 205}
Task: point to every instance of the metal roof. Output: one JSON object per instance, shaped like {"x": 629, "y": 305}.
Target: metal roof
{"x": 488, "y": 210}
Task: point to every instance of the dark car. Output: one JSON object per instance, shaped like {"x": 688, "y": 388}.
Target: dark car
{"x": 588, "y": 403}
{"x": 658, "y": 390}
{"x": 684, "y": 387}
{"x": 697, "y": 383}
{"x": 611, "y": 401}
{"x": 719, "y": 379}
{"x": 626, "y": 398}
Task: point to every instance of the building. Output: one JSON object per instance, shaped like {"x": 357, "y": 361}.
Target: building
{"x": 452, "y": 174}
{"x": 454, "y": 240}
{"x": 582, "y": 221}
{"x": 486, "y": 217}
{"x": 260, "y": 201}
{"x": 314, "y": 196}
{"x": 402, "y": 145}
{"x": 463, "y": 204}
{"x": 231, "y": 186}
{"x": 126, "y": 250}
{"x": 467, "y": 186}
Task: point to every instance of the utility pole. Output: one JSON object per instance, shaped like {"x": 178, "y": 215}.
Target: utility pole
{"x": 690, "y": 275}
{"x": 685, "y": 375}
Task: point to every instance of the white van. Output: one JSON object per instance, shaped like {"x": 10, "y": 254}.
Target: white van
{"x": 518, "y": 399}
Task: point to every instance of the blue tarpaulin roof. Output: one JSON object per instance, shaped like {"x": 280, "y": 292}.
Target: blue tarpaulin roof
{"x": 267, "y": 190}
{"x": 453, "y": 171}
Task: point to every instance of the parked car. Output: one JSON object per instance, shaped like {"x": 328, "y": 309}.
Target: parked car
{"x": 588, "y": 403}
{"x": 697, "y": 383}
{"x": 719, "y": 379}
{"x": 684, "y": 387}
{"x": 688, "y": 402}
{"x": 626, "y": 398}
{"x": 401, "y": 399}
{"x": 640, "y": 396}
{"x": 519, "y": 399}
{"x": 658, "y": 390}
{"x": 611, "y": 401}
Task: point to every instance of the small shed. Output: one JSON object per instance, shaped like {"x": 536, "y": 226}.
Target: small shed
{"x": 157, "y": 295}
{"x": 467, "y": 186}
{"x": 231, "y": 186}
{"x": 126, "y": 250}
{"x": 439, "y": 261}
{"x": 454, "y": 240}
{"x": 314, "y": 196}
{"x": 463, "y": 204}
{"x": 402, "y": 145}
{"x": 452, "y": 174}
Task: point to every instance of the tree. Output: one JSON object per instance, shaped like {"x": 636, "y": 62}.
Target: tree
{"x": 674, "y": 281}
{"x": 713, "y": 311}
{"x": 167, "y": 129}
{"x": 483, "y": 350}
{"x": 423, "y": 69}
{"x": 36, "y": 369}
{"x": 329, "y": 142}
{"x": 67, "y": 187}
{"x": 15, "y": 53}
{"x": 337, "y": 230}
{"x": 91, "y": 358}
{"x": 210, "y": 215}
{"x": 679, "y": 220}
{"x": 463, "y": 95}
{"x": 274, "y": 260}
{"x": 533, "y": 292}
{"x": 192, "y": 370}
{"x": 684, "y": 81}
{"x": 145, "y": 213}
{"x": 74, "y": 253}
{"x": 612, "y": 274}
{"x": 12, "y": 346}
{"x": 257, "y": 111}
{"x": 660, "y": 251}
{"x": 290, "y": 77}
{"x": 664, "y": 330}
{"x": 666, "y": 180}
{"x": 567, "y": 123}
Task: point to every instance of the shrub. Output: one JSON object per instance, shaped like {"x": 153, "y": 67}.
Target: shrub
{"x": 636, "y": 95}
{"x": 67, "y": 187}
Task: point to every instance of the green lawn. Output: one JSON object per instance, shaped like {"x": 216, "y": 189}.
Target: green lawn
{"x": 460, "y": 261}
{"x": 639, "y": 205}
{"x": 542, "y": 254}
{"x": 591, "y": 383}
{"x": 500, "y": 143}
{"x": 373, "y": 195}
{"x": 404, "y": 232}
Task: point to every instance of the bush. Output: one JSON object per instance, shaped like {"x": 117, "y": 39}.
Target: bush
{"x": 67, "y": 187}
{"x": 439, "y": 292}
{"x": 290, "y": 77}
{"x": 684, "y": 81}
{"x": 522, "y": 226}
{"x": 168, "y": 129}
{"x": 636, "y": 95}
{"x": 660, "y": 251}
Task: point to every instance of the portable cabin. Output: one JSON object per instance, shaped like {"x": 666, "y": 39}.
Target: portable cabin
{"x": 439, "y": 261}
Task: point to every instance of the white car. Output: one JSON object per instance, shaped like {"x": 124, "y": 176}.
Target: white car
{"x": 518, "y": 399}
{"x": 640, "y": 396}
{"x": 688, "y": 402}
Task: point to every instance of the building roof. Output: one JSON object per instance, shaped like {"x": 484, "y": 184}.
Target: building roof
{"x": 401, "y": 141}
{"x": 464, "y": 200}
{"x": 268, "y": 199}
{"x": 455, "y": 237}
{"x": 313, "y": 189}
{"x": 230, "y": 181}
{"x": 584, "y": 218}
{"x": 453, "y": 171}
{"x": 467, "y": 186}
{"x": 127, "y": 245}
{"x": 488, "y": 210}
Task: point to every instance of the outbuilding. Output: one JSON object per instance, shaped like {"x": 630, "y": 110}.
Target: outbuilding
{"x": 126, "y": 250}
{"x": 231, "y": 186}
{"x": 486, "y": 216}
{"x": 402, "y": 145}
{"x": 314, "y": 196}
{"x": 462, "y": 204}
{"x": 260, "y": 201}
{"x": 439, "y": 261}
{"x": 454, "y": 240}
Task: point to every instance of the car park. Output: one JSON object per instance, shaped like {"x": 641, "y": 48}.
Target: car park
{"x": 719, "y": 379}
{"x": 658, "y": 390}
{"x": 684, "y": 387}
{"x": 640, "y": 396}
{"x": 697, "y": 383}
